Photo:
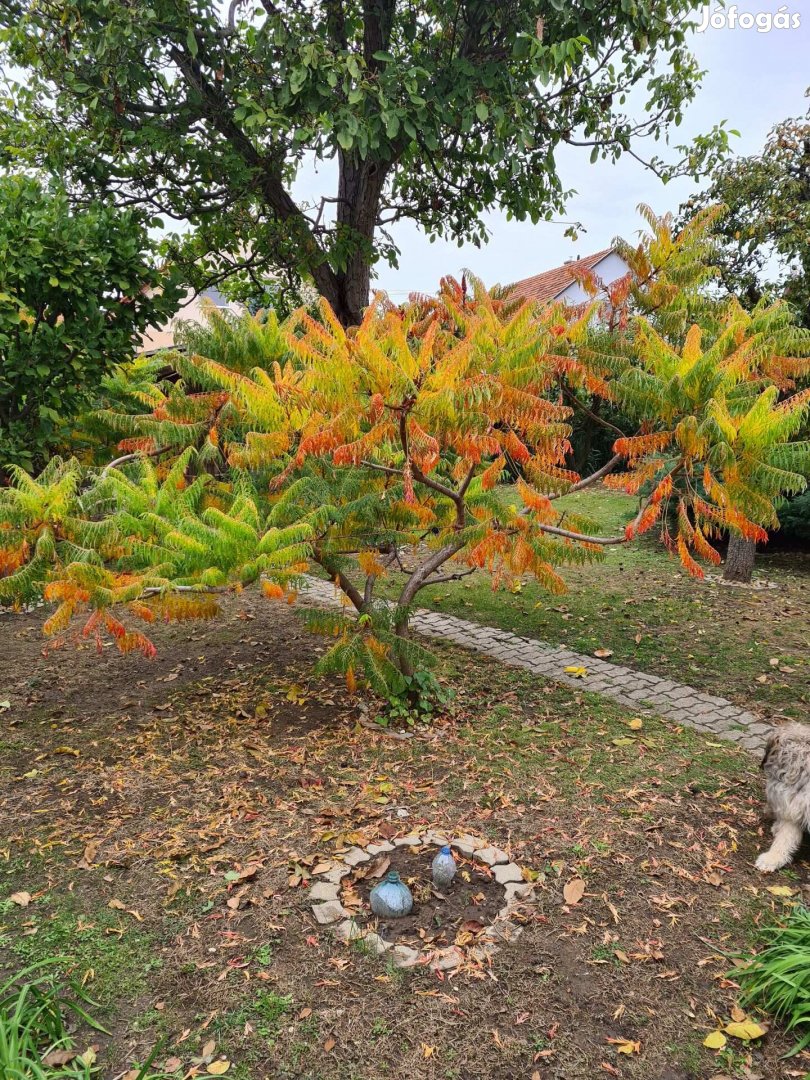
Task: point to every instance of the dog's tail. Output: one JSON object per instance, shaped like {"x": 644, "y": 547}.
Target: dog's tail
{"x": 770, "y": 746}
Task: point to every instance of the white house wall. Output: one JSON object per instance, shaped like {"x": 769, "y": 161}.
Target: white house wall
{"x": 609, "y": 269}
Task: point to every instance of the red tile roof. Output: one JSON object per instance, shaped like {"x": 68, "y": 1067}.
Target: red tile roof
{"x": 550, "y": 283}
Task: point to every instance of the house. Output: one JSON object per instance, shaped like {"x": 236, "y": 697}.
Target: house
{"x": 192, "y": 310}
{"x": 559, "y": 283}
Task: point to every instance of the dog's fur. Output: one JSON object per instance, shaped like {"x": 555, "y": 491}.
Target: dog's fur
{"x": 786, "y": 765}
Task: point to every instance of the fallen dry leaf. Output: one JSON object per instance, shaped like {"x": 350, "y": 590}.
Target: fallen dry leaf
{"x": 746, "y": 1031}
{"x": 715, "y": 1040}
{"x": 21, "y": 899}
{"x": 217, "y": 1068}
{"x": 59, "y": 1057}
{"x": 626, "y": 1046}
{"x": 573, "y": 891}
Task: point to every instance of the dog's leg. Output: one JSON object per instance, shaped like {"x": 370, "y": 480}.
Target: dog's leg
{"x": 787, "y": 836}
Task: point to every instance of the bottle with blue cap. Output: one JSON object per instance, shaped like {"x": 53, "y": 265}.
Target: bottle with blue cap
{"x": 444, "y": 869}
{"x": 391, "y": 899}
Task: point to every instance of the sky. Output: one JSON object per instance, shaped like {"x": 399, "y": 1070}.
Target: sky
{"x": 753, "y": 81}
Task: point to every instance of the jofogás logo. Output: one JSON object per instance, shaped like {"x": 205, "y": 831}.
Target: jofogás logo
{"x": 731, "y": 18}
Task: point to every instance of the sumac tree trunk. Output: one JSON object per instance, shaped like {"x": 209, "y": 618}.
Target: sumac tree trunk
{"x": 739, "y": 559}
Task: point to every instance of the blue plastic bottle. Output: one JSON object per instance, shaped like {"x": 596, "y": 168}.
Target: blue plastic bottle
{"x": 444, "y": 869}
{"x": 392, "y": 898}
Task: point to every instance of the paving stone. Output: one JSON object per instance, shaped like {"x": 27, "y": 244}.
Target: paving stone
{"x": 330, "y": 912}
{"x": 403, "y": 956}
{"x": 467, "y": 845}
{"x": 356, "y": 855}
{"x": 502, "y": 930}
{"x": 516, "y": 890}
{"x": 507, "y": 872}
{"x": 753, "y": 742}
{"x": 335, "y": 873}
{"x": 641, "y": 694}
{"x": 447, "y": 959}
{"x": 760, "y": 729}
{"x": 324, "y": 890}
{"x": 411, "y": 840}
{"x": 375, "y": 943}
{"x": 492, "y": 856}
{"x": 378, "y": 849}
{"x": 348, "y": 930}
{"x": 437, "y": 838}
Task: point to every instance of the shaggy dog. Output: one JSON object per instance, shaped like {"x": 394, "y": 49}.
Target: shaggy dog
{"x": 786, "y": 765}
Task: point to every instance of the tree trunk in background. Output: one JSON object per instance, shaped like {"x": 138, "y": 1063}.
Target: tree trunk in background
{"x": 740, "y": 559}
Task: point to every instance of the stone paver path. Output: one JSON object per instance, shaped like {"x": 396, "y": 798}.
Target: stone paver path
{"x": 685, "y": 705}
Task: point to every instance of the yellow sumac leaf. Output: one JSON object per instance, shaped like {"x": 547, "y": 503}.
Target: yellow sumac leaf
{"x": 715, "y": 1040}
{"x": 746, "y": 1030}
{"x": 370, "y": 564}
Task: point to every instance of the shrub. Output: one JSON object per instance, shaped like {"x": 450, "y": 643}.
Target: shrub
{"x": 76, "y": 289}
{"x": 777, "y": 979}
{"x": 794, "y": 519}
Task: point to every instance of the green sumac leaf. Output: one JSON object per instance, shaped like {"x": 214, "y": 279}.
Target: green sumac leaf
{"x": 482, "y": 111}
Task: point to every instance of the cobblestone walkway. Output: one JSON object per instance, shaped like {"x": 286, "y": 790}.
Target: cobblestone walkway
{"x": 715, "y": 716}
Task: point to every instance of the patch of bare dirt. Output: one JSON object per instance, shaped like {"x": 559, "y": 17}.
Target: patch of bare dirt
{"x": 200, "y": 803}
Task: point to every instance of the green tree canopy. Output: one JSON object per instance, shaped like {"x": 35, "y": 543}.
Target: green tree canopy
{"x": 764, "y": 239}
{"x": 433, "y": 112}
{"x": 76, "y": 288}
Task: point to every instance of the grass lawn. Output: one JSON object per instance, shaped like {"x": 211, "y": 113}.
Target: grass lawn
{"x": 134, "y": 795}
{"x": 640, "y": 603}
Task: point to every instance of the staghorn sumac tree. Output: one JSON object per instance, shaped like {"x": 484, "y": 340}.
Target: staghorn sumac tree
{"x": 341, "y": 448}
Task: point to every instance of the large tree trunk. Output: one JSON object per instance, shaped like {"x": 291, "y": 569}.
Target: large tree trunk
{"x": 739, "y": 559}
{"x": 359, "y": 191}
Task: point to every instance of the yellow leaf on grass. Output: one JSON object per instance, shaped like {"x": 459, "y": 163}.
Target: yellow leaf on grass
{"x": 635, "y": 724}
{"x": 217, "y": 1068}
{"x": 715, "y": 1040}
{"x": 428, "y": 1051}
{"x": 781, "y": 890}
{"x": 576, "y": 672}
{"x": 747, "y": 1030}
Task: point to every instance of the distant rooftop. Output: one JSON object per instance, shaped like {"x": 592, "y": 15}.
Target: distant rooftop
{"x": 549, "y": 284}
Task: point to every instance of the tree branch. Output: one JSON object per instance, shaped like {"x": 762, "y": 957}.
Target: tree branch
{"x": 608, "y": 467}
